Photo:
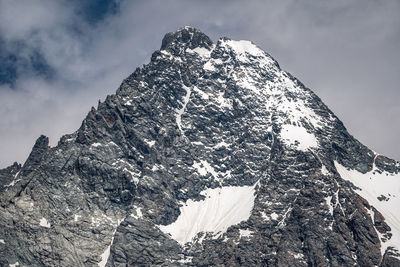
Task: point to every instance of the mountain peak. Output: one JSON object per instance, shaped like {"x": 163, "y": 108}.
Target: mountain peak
{"x": 207, "y": 152}
{"x": 188, "y": 37}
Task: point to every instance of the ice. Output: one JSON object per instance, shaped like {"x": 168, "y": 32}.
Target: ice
{"x": 221, "y": 208}
{"x": 298, "y": 136}
{"x": 374, "y": 184}
{"x": 43, "y": 222}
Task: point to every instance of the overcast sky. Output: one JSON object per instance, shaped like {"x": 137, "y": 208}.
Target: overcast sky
{"x": 58, "y": 58}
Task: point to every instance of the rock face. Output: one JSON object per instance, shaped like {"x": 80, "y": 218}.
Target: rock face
{"x": 210, "y": 155}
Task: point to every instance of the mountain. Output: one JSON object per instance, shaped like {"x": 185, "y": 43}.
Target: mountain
{"x": 210, "y": 155}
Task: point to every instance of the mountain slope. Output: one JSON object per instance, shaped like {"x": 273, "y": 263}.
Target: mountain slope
{"x": 208, "y": 155}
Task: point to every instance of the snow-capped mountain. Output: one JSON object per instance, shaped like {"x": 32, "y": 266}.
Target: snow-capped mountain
{"x": 210, "y": 155}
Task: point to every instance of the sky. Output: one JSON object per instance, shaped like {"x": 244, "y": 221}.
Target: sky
{"x": 59, "y": 58}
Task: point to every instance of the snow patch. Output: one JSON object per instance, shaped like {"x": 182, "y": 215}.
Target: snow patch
{"x": 76, "y": 217}
{"x": 384, "y": 246}
{"x": 150, "y": 143}
{"x": 204, "y": 167}
{"x": 2, "y": 241}
{"x": 298, "y": 136}
{"x": 186, "y": 260}
{"x": 209, "y": 66}
{"x": 324, "y": 170}
{"x": 200, "y": 168}
{"x": 202, "y": 94}
{"x": 244, "y": 48}
{"x": 182, "y": 110}
{"x": 245, "y": 233}
{"x": 297, "y": 255}
{"x": 43, "y": 222}
{"x": 249, "y": 83}
{"x": 169, "y": 56}
{"x": 106, "y": 253}
{"x": 221, "y": 208}
{"x": 328, "y": 200}
{"x": 223, "y": 102}
{"x": 157, "y": 167}
{"x": 221, "y": 144}
{"x": 96, "y": 221}
{"x": 14, "y": 181}
{"x": 139, "y": 213}
{"x": 264, "y": 216}
{"x": 282, "y": 222}
{"x": 274, "y": 216}
{"x": 134, "y": 175}
{"x": 201, "y": 51}
{"x": 14, "y": 264}
{"x": 374, "y": 185}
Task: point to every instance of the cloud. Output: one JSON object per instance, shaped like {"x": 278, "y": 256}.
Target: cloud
{"x": 345, "y": 51}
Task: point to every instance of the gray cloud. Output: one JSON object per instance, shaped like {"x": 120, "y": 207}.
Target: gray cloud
{"x": 345, "y": 51}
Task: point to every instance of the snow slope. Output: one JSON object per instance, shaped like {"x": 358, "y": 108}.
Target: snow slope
{"x": 298, "y": 136}
{"x": 374, "y": 184}
{"x": 221, "y": 208}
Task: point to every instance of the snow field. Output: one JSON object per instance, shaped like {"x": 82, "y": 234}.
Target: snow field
{"x": 221, "y": 208}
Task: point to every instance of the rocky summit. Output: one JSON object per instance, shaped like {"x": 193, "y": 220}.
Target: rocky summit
{"x": 209, "y": 155}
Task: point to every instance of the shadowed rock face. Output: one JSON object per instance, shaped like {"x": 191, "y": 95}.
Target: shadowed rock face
{"x": 200, "y": 116}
